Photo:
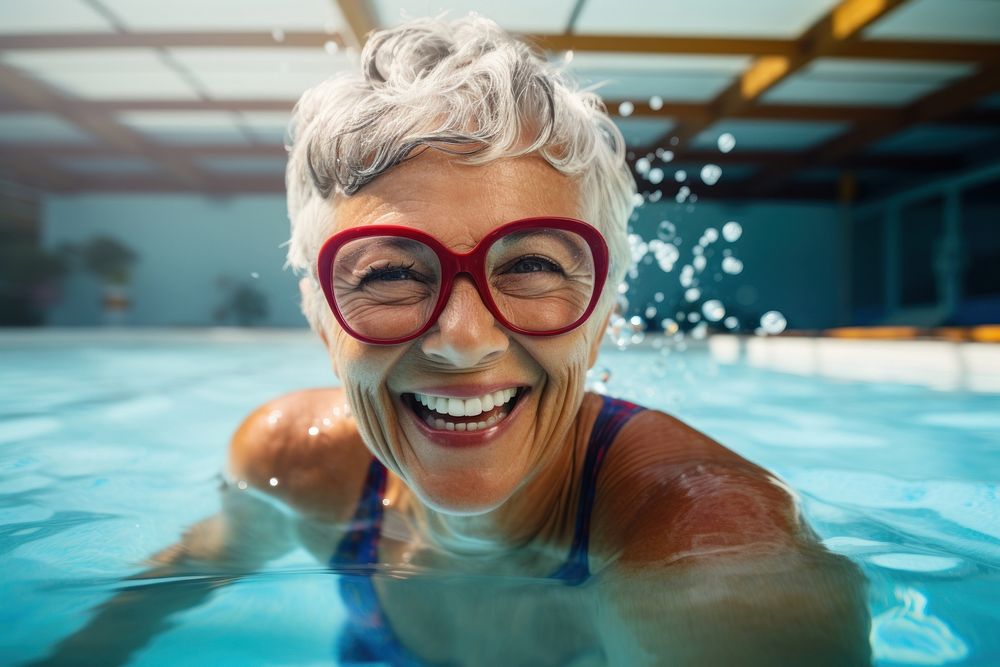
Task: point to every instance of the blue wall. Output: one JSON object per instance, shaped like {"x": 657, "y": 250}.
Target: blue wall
{"x": 793, "y": 257}
{"x": 184, "y": 243}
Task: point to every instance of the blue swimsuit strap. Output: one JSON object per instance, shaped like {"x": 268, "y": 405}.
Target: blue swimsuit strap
{"x": 614, "y": 414}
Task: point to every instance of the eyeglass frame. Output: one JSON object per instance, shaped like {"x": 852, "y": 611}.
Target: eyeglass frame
{"x": 471, "y": 263}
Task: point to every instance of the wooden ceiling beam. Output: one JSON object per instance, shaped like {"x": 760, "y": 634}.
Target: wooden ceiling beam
{"x": 824, "y": 38}
{"x": 970, "y": 52}
{"x": 943, "y": 103}
{"x": 360, "y": 17}
{"x": 165, "y": 40}
{"x": 38, "y": 96}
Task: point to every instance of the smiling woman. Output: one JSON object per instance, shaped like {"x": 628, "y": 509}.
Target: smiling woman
{"x": 459, "y": 217}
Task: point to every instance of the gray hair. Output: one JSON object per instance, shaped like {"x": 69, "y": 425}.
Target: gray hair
{"x": 464, "y": 87}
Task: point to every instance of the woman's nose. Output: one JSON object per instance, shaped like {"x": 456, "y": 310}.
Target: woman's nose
{"x": 466, "y": 333}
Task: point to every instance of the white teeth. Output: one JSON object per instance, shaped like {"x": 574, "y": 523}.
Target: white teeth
{"x": 442, "y": 425}
{"x": 470, "y": 407}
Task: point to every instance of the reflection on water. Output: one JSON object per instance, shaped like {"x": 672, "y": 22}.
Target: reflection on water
{"x": 906, "y": 633}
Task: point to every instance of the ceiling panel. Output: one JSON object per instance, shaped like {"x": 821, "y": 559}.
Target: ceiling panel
{"x": 46, "y": 16}
{"x": 937, "y": 139}
{"x": 643, "y": 131}
{"x": 187, "y": 127}
{"x": 947, "y": 20}
{"x": 514, "y": 15}
{"x": 227, "y": 15}
{"x": 266, "y": 126}
{"x": 122, "y": 165}
{"x": 42, "y": 128}
{"x": 244, "y": 165}
{"x": 770, "y": 135}
{"x": 864, "y": 82}
{"x": 104, "y": 73}
{"x": 760, "y": 18}
{"x": 282, "y": 74}
{"x": 678, "y": 78}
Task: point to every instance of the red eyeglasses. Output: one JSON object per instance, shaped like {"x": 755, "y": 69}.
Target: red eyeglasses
{"x": 387, "y": 284}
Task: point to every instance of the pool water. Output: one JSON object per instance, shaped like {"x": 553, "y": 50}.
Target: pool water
{"x": 111, "y": 444}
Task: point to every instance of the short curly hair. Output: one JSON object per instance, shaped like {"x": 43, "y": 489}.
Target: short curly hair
{"x": 462, "y": 86}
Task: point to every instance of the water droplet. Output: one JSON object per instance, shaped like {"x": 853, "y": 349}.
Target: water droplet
{"x": 731, "y": 322}
{"x": 711, "y": 173}
{"x": 669, "y": 326}
{"x": 642, "y": 165}
{"x": 637, "y": 200}
{"x": 699, "y": 249}
{"x": 626, "y": 108}
{"x": 254, "y": 275}
{"x": 242, "y": 485}
{"x": 687, "y": 276}
{"x": 694, "y": 317}
{"x": 568, "y": 57}
{"x": 655, "y": 102}
{"x": 655, "y": 175}
{"x": 273, "y": 481}
{"x": 732, "y": 266}
{"x": 313, "y": 430}
{"x": 711, "y": 235}
{"x": 727, "y": 142}
{"x": 655, "y": 196}
{"x": 278, "y": 35}
{"x": 682, "y": 194}
{"x": 666, "y": 256}
{"x": 680, "y": 175}
{"x": 637, "y": 247}
{"x": 699, "y": 333}
{"x": 622, "y": 288}
{"x": 699, "y": 263}
{"x": 732, "y": 231}
{"x": 667, "y": 156}
{"x": 666, "y": 230}
{"x": 658, "y": 297}
{"x": 692, "y": 294}
{"x": 650, "y": 312}
{"x": 331, "y": 47}
{"x": 773, "y": 322}
{"x": 713, "y": 310}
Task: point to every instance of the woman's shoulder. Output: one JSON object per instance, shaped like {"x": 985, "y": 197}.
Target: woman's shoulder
{"x": 302, "y": 448}
{"x": 668, "y": 490}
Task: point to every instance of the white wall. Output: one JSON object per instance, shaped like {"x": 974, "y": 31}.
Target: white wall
{"x": 185, "y": 243}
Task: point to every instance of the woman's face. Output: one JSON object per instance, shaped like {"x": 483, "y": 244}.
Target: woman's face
{"x": 467, "y": 354}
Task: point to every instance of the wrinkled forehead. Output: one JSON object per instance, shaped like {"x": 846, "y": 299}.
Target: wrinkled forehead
{"x": 460, "y": 203}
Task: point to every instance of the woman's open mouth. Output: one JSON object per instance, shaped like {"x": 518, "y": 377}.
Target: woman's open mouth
{"x": 447, "y": 413}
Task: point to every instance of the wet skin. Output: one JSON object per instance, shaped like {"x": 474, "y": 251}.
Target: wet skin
{"x": 699, "y": 556}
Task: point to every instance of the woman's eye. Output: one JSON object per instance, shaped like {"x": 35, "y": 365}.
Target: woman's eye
{"x": 533, "y": 265}
{"x": 388, "y": 274}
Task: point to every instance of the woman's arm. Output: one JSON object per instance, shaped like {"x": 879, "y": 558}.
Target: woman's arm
{"x": 716, "y": 566}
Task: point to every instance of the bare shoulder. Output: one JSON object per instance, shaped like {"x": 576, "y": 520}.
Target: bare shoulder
{"x": 304, "y": 449}
{"x": 670, "y": 492}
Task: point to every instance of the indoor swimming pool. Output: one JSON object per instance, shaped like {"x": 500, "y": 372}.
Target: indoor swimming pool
{"x": 112, "y": 443}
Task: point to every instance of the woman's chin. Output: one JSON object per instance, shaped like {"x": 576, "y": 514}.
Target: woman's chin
{"x": 453, "y": 497}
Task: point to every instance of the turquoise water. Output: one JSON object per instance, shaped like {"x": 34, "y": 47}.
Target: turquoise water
{"x": 111, "y": 445}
